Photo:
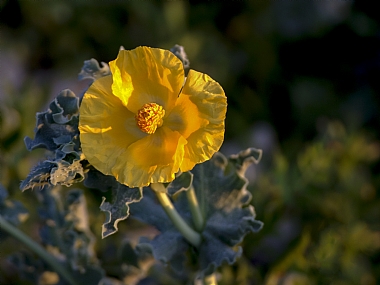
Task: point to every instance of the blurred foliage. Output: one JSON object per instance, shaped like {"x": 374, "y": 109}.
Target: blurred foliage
{"x": 301, "y": 79}
{"x": 321, "y": 213}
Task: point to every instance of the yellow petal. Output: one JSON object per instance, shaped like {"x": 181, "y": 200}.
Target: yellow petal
{"x": 190, "y": 131}
{"x": 203, "y": 119}
{"x": 106, "y": 126}
{"x": 147, "y": 75}
{"x": 185, "y": 117}
{"x": 155, "y": 158}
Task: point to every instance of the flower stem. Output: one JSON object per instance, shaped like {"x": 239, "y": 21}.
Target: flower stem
{"x": 192, "y": 236}
{"x": 195, "y": 210}
{"x": 37, "y": 249}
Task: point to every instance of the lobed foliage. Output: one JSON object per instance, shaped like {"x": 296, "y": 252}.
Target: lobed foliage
{"x": 219, "y": 184}
{"x": 291, "y": 64}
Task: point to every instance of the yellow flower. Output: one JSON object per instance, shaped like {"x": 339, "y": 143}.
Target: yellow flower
{"x": 146, "y": 121}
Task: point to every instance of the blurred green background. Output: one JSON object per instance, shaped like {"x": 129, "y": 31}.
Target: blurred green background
{"x": 301, "y": 78}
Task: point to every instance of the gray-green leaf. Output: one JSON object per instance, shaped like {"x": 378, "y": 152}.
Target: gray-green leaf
{"x": 118, "y": 209}
{"x": 220, "y": 187}
{"x": 92, "y": 70}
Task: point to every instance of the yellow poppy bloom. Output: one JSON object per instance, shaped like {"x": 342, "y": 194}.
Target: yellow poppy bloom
{"x": 146, "y": 121}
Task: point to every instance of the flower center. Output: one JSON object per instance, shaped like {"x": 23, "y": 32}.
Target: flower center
{"x": 149, "y": 117}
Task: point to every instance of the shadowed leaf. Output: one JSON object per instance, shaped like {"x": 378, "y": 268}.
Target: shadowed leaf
{"x": 220, "y": 187}
{"x": 118, "y": 209}
{"x": 181, "y": 183}
{"x": 12, "y": 211}
{"x": 57, "y": 131}
{"x": 92, "y": 70}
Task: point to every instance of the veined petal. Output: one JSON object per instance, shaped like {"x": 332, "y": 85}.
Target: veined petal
{"x": 185, "y": 117}
{"x": 147, "y": 75}
{"x": 155, "y": 158}
{"x": 138, "y": 126}
{"x": 203, "y": 127}
{"x": 106, "y": 126}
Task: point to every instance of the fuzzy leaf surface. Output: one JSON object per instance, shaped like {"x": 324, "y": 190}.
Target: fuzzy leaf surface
{"x": 182, "y": 182}
{"x": 118, "y": 209}
{"x": 122, "y": 196}
{"x": 61, "y": 119}
{"x": 57, "y": 131}
{"x": 220, "y": 187}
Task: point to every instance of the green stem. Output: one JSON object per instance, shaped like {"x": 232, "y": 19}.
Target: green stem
{"x": 210, "y": 280}
{"x": 192, "y": 236}
{"x": 37, "y": 249}
{"x": 195, "y": 210}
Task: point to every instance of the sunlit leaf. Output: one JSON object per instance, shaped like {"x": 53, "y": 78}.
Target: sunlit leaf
{"x": 66, "y": 174}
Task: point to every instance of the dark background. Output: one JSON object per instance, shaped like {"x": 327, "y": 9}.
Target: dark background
{"x": 301, "y": 79}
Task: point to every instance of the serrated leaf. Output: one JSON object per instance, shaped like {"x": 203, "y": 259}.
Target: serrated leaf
{"x": 65, "y": 139}
{"x": 216, "y": 253}
{"x": 122, "y": 197}
{"x": 169, "y": 246}
{"x": 224, "y": 226}
{"x": 46, "y": 133}
{"x": 50, "y": 173}
{"x": 118, "y": 210}
{"x": 221, "y": 234}
{"x": 65, "y": 107}
{"x": 71, "y": 148}
{"x": 61, "y": 119}
{"x": 244, "y": 159}
{"x": 57, "y": 131}
{"x": 39, "y": 176}
{"x": 182, "y": 182}
{"x": 220, "y": 186}
{"x": 150, "y": 211}
{"x": 92, "y": 70}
